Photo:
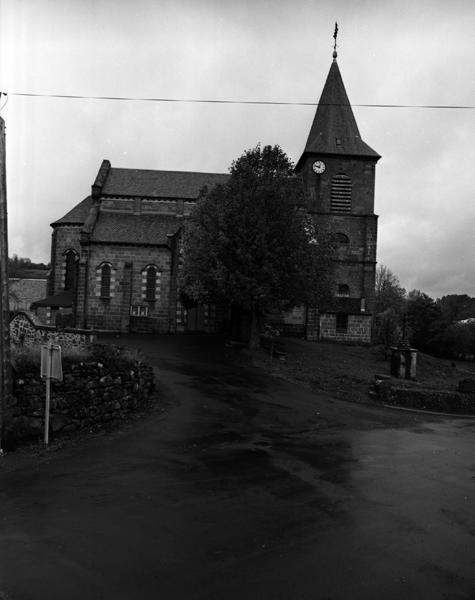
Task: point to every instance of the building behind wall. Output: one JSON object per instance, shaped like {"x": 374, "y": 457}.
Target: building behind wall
{"x": 25, "y": 287}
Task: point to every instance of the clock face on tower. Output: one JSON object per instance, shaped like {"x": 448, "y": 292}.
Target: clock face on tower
{"x": 319, "y": 167}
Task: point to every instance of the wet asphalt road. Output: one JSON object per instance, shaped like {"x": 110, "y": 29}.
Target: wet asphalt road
{"x": 245, "y": 487}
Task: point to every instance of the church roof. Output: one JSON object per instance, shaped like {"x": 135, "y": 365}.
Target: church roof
{"x": 63, "y": 299}
{"x": 142, "y": 183}
{"x": 159, "y": 184}
{"x": 121, "y": 228}
{"x": 334, "y": 129}
{"x": 77, "y": 215}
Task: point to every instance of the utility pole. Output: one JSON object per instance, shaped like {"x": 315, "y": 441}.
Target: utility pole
{"x": 5, "y": 358}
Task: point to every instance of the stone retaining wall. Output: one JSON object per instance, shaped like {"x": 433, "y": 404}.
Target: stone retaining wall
{"x": 448, "y": 401}
{"x": 358, "y": 329}
{"x": 88, "y": 396}
{"x": 26, "y": 330}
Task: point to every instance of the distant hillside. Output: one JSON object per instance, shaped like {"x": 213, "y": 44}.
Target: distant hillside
{"x": 24, "y": 268}
{"x": 28, "y": 273}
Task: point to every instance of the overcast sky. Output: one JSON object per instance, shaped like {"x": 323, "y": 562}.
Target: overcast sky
{"x": 389, "y": 52}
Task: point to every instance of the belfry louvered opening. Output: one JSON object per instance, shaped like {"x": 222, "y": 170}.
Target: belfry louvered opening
{"x": 341, "y": 194}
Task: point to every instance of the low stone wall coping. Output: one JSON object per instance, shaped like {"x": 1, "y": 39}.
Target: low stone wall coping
{"x": 424, "y": 398}
{"x": 33, "y": 319}
{"x": 25, "y": 330}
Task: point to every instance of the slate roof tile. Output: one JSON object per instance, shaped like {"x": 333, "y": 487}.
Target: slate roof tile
{"x": 334, "y": 129}
{"x": 63, "y": 299}
{"x": 138, "y": 229}
{"x": 77, "y": 215}
{"x": 159, "y": 184}
{"x": 185, "y": 185}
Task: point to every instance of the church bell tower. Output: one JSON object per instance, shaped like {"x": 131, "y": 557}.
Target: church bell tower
{"x": 338, "y": 172}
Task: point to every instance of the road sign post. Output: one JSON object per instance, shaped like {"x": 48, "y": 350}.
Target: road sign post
{"x": 51, "y": 368}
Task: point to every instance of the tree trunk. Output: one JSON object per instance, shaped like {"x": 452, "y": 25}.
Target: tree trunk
{"x": 255, "y": 337}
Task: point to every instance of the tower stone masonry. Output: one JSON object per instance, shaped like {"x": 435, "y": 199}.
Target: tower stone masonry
{"x": 338, "y": 172}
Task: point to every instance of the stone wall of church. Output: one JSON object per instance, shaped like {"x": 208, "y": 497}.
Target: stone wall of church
{"x": 354, "y": 261}
{"x": 368, "y": 292}
{"x": 361, "y": 172}
{"x": 359, "y": 278}
{"x": 175, "y": 207}
{"x": 353, "y": 228}
{"x": 350, "y": 274}
{"x": 357, "y": 331}
{"x": 65, "y": 237}
{"x": 361, "y": 232}
{"x": 127, "y": 264}
{"x": 371, "y": 237}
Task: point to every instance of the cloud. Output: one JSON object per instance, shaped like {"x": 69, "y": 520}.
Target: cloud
{"x": 389, "y": 52}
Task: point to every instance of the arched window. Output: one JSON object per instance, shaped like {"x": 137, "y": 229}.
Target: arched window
{"x": 106, "y": 280}
{"x": 343, "y": 289}
{"x": 70, "y": 270}
{"x": 342, "y": 239}
{"x": 341, "y": 194}
{"x": 151, "y": 283}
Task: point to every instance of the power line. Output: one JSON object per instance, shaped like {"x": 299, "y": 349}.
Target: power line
{"x": 207, "y": 101}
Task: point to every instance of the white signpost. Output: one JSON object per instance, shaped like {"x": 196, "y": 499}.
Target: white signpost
{"x": 51, "y": 368}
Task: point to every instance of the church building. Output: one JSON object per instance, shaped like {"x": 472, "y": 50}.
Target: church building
{"x": 115, "y": 257}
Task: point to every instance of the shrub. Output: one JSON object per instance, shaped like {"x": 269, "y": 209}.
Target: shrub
{"x": 114, "y": 358}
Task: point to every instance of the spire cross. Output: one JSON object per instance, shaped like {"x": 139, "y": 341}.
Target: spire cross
{"x": 335, "y": 33}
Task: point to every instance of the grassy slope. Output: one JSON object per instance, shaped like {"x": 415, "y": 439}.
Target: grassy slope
{"x": 347, "y": 372}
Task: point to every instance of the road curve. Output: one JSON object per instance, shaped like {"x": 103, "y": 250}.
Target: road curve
{"x": 245, "y": 487}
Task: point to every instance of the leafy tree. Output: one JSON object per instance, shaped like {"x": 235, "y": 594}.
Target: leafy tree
{"x": 250, "y": 243}
{"x": 425, "y": 321}
{"x": 457, "y": 341}
{"x": 388, "y": 291}
{"x": 434, "y": 326}
{"x": 456, "y": 307}
{"x": 388, "y": 330}
{"x": 390, "y": 302}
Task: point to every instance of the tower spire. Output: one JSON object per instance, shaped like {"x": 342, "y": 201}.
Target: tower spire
{"x": 335, "y": 33}
{"x": 334, "y": 130}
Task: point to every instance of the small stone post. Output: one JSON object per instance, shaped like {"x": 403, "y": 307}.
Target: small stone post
{"x": 403, "y": 361}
